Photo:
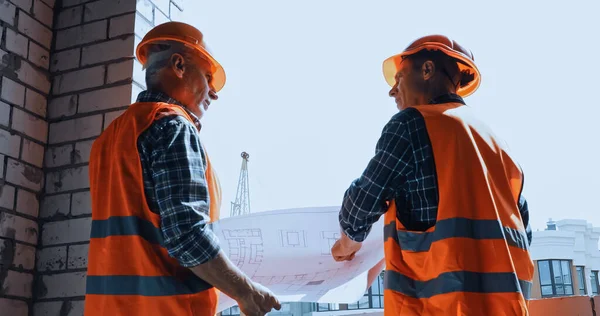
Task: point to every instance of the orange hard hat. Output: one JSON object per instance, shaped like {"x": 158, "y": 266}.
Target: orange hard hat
{"x": 464, "y": 58}
{"x": 190, "y": 37}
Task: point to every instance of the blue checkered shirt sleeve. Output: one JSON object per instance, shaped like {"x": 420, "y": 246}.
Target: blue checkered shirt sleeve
{"x": 173, "y": 161}
{"x": 366, "y": 198}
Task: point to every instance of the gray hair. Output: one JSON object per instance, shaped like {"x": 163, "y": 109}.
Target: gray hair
{"x": 158, "y": 57}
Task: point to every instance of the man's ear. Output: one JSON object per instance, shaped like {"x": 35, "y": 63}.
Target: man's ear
{"x": 178, "y": 64}
{"x": 428, "y": 70}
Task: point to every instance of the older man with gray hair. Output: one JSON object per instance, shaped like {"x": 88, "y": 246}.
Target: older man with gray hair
{"x": 154, "y": 194}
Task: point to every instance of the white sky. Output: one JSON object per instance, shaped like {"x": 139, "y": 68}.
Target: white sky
{"x": 306, "y": 98}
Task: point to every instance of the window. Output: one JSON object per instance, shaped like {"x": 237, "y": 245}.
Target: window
{"x": 373, "y": 297}
{"x": 363, "y": 303}
{"x": 232, "y": 311}
{"x": 377, "y": 292}
{"x": 285, "y": 308}
{"x": 581, "y": 280}
{"x": 555, "y": 277}
{"x": 594, "y": 278}
{"x": 323, "y": 307}
{"x": 235, "y": 310}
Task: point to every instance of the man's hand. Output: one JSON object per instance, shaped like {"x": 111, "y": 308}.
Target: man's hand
{"x": 252, "y": 298}
{"x": 259, "y": 301}
{"x": 345, "y": 248}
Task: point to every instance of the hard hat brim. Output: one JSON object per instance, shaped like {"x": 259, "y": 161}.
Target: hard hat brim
{"x": 218, "y": 73}
{"x": 392, "y": 65}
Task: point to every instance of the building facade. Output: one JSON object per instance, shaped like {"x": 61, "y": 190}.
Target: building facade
{"x": 567, "y": 259}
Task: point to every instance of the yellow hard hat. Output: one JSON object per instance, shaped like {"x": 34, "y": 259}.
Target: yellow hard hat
{"x": 190, "y": 37}
{"x": 464, "y": 58}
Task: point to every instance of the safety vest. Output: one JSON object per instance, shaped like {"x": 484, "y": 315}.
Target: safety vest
{"x": 129, "y": 270}
{"x": 475, "y": 260}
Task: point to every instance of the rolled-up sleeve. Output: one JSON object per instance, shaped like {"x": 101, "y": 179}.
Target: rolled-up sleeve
{"x": 366, "y": 198}
{"x": 524, "y": 210}
{"x": 178, "y": 171}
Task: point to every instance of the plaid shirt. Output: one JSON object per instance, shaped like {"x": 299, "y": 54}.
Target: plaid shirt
{"x": 403, "y": 169}
{"x": 173, "y": 166}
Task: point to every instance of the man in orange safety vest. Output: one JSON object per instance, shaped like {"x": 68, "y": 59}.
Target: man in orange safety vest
{"x": 457, "y": 232}
{"x": 154, "y": 194}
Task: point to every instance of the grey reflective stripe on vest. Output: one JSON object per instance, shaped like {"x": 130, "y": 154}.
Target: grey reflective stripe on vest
{"x": 144, "y": 285}
{"x": 126, "y": 226}
{"x": 132, "y": 284}
{"x": 457, "y": 281}
{"x": 453, "y": 228}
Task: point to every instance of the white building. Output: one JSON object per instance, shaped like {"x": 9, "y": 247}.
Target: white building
{"x": 567, "y": 259}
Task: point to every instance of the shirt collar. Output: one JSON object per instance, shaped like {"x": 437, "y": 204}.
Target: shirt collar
{"x": 447, "y": 98}
{"x": 157, "y": 96}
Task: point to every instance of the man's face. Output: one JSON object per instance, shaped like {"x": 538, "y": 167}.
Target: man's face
{"x": 198, "y": 83}
{"x": 196, "y": 78}
{"x": 404, "y": 91}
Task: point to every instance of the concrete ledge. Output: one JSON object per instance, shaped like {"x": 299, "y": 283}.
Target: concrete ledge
{"x": 353, "y": 312}
{"x": 559, "y": 306}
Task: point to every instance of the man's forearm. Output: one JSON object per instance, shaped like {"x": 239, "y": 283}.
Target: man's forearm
{"x": 221, "y": 273}
{"x": 355, "y": 218}
{"x": 365, "y": 201}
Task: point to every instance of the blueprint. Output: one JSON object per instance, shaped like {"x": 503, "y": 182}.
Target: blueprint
{"x": 288, "y": 251}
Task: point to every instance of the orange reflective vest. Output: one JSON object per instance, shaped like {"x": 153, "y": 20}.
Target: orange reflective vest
{"x": 129, "y": 271}
{"x": 475, "y": 260}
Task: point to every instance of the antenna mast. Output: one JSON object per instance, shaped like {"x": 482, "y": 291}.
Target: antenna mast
{"x": 241, "y": 206}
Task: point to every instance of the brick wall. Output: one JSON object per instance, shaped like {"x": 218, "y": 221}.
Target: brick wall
{"x": 67, "y": 70}
{"x": 26, "y": 38}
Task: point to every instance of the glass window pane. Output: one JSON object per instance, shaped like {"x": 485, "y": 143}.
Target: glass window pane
{"x": 547, "y": 290}
{"x": 581, "y": 280}
{"x": 544, "y": 270}
{"x": 375, "y": 282}
{"x": 594, "y": 281}
{"x": 375, "y": 288}
{"x": 353, "y": 306}
{"x": 376, "y": 301}
{"x": 364, "y": 302}
{"x": 580, "y": 277}
{"x": 560, "y": 290}
{"x": 568, "y": 290}
{"x": 557, "y": 273}
{"x": 566, "y": 272}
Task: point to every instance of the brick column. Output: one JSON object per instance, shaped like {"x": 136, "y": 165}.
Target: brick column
{"x": 95, "y": 78}
{"x": 67, "y": 70}
{"x": 26, "y": 38}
